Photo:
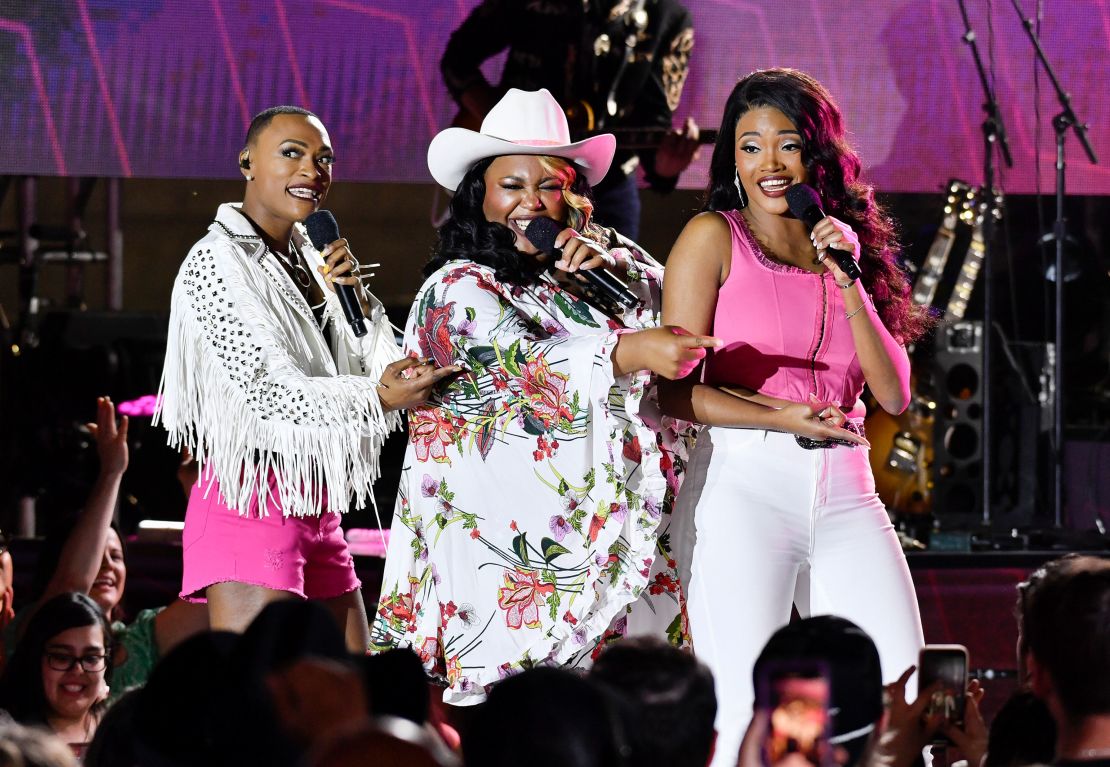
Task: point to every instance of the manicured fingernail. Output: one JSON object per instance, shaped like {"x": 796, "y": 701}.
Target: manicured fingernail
{"x": 326, "y": 268}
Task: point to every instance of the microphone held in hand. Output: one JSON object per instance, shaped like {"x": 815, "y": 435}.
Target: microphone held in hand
{"x": 542, "y": 232}
{"x": 806, "y": 206}
{"x": 323, "y": 231}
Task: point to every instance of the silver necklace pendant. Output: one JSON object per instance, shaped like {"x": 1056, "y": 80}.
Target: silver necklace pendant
{"x": 296, "y": 268}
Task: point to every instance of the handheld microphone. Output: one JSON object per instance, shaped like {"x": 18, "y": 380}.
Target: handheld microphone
{"x": 542, "y": 232}
{"x": 324, "y": 230}
{"x": 806, "y": 206}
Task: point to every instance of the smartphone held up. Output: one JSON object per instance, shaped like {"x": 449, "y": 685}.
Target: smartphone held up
{"x": 945, "y": 667}
{"x": 797, "y": 699}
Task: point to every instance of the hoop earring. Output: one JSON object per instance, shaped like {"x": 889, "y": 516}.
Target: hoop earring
{"x": 740, "y": 190}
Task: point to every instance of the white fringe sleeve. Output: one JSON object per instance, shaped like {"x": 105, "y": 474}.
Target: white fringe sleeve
{"x": 234, "y": 392}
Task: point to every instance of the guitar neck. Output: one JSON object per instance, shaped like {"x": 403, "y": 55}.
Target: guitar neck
{"x": 969, "y": 273}
{"x": 925, "y": 287}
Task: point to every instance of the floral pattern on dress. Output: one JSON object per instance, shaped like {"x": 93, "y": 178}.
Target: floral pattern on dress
{"x": 531, "y": 520}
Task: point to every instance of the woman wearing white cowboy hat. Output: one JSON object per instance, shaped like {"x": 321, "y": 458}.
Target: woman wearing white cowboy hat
{"x": 531, "y": 509}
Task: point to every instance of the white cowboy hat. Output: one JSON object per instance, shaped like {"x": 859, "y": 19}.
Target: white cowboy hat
{"x": 522, "y": 122}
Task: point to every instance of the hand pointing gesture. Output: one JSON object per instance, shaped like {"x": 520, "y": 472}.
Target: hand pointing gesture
{"x": 670, "y": 351}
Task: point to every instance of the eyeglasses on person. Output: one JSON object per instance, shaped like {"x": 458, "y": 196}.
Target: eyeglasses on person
{"x": 63, "y": 661}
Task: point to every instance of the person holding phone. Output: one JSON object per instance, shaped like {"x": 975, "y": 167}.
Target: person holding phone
{"x": 266, "y": 384}
{"x": 779, "y": 504}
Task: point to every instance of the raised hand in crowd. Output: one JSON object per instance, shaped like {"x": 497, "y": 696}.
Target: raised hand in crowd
{"x": 970, "y": 739}
{"x": 907, "y": 728}
{"x": 84, "y": 549}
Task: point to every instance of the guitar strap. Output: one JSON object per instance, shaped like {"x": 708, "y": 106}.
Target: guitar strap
{"x": 636, "y": 22}
{"x": 596, "y": 102}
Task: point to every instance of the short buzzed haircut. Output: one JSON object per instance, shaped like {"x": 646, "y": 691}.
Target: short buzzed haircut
{"x": 266, "y": 116}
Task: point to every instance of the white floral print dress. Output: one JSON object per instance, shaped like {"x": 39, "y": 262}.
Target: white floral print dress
{"x": 530, "y": 525}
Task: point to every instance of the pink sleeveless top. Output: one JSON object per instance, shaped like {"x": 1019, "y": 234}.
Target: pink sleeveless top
{"x": 783, "y": 329}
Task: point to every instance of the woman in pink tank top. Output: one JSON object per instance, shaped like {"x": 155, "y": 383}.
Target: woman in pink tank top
{"x": 779, "y": 504}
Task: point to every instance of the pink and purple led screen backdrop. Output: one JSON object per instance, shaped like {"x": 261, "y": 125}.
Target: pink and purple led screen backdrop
{"x": 165, "y": 88}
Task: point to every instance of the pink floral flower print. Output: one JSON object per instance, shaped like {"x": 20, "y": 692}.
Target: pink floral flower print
{"x": 559, "y": 527}
{"x": 554, "y": 328}
{"x": 454, "y": 669}
{"x": 618, "y": 511}
{"x": 521, "y": 598}
{"x": 596, "y": 523}
{"x": 632, "y": 448}
{"x": 546, "y": 391}
{"x": 663, "y": 583}
{"x": 435, "y": 334}
{"x": 428, "y": 651}
{"x": 466, "y": 614}
{"x": 571, "y": 501}
{"x": 429, "y": 486}
{"x": 430, "y": 433}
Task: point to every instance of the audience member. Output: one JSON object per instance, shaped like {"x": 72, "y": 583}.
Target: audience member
{"x": 395, "y": 685}
{"x": 56, "y": 677}
{"x": 855, "y": 677}
{"x": 1022, "y": 733}
{"x": 189, "y": 712}
{"x": 545, "y": 717}
{"x": 1064, "y": 642}
{"x": 87, "y": 556}
{"x": 115, "y": 742}
{"x": 668, "y": 701}
{"x": 389, "y": 742}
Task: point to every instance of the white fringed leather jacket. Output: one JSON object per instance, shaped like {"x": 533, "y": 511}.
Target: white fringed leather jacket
{"x": 252, "y": 386}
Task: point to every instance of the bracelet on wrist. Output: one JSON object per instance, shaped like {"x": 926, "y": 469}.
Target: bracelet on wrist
{"x": 854, "y": 312}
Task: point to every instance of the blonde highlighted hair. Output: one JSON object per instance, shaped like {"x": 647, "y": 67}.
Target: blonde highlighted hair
{"x": 581, "y": 208}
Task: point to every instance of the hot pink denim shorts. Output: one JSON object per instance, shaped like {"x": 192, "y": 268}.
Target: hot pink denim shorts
{"x": 306, "y": 556}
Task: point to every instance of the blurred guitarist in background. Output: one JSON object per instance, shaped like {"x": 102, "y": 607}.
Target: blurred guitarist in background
{"x": 612, "y": 64}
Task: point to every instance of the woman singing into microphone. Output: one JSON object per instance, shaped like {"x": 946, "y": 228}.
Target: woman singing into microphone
{"x": 283, "y": 407}
{"x": 779, "y": 503}
{"x": 533, "y": 498}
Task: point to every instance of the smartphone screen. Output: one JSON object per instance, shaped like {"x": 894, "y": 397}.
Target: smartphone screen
{"x": 798, "y": 700}
{"x": 946, "y": 664}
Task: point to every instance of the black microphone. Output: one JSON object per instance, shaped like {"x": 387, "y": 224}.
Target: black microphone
{"x": 542, "y": 232}
{"x": 323, "y": 230}
{"x": 806, "y": 205}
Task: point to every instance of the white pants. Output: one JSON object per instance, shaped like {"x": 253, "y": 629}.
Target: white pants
{"x": 760, "y": 523}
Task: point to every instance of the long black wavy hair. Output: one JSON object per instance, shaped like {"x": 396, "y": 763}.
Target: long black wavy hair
{"x": 468, "y": 236}
{"x": 833, "y": 169}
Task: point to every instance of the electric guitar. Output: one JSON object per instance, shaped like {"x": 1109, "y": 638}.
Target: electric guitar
{"x": 973, "y": 259}
{"x": 902, "y": 477}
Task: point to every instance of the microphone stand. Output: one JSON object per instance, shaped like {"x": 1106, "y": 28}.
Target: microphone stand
{"x": 994, "y": 134}
{"x": 1060, "y": 124}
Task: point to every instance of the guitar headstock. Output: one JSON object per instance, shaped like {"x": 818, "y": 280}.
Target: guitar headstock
{"x": 961, "y": 201}
{"x": 988, "y": 205}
